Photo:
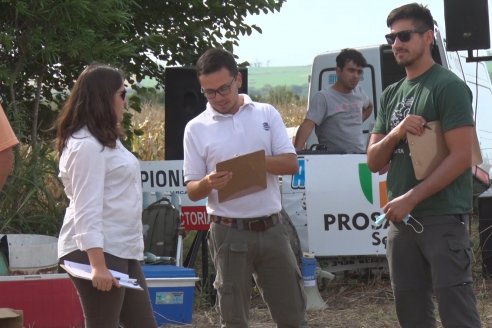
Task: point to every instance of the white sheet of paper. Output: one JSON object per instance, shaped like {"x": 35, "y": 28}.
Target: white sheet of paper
{"x": 83, "y": 271}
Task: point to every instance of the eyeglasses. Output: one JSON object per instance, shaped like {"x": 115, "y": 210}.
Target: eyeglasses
{"x": 123, "y": 94}
{"x": 403, "y": 36}
{"x": 223, "y": 90}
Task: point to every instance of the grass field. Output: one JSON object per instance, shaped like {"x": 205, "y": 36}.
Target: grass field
{"x": 259, "y": 77}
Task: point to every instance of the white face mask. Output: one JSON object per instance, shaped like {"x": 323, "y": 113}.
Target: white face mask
{"x": 414, "y": 223}
{"x": 408, "y": 220}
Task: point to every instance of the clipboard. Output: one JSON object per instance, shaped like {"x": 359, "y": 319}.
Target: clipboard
{"x": 248, "y": 175}
{"x": 429, "y": 149}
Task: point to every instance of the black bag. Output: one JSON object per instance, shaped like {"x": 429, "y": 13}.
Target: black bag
{"x": 161, "y": 221}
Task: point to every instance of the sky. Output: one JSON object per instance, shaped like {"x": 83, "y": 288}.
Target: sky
{"x": 304, "y": 28}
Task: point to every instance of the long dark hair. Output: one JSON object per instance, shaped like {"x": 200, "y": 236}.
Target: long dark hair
{"x": 91, "y": 104}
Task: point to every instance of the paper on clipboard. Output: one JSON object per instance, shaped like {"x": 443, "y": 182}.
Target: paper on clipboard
{"x": 83, "y": 271}
{"x": 248, "y": 175}
{"x": 429, "y": 149}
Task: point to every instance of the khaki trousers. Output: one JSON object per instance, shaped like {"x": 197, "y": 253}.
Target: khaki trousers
{"x": 239, "y": 255}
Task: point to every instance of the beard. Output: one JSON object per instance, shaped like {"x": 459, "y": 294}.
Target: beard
{"x": 408, "y": 58}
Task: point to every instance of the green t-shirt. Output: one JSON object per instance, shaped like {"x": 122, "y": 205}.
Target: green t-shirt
{"x": 438, "y": 94}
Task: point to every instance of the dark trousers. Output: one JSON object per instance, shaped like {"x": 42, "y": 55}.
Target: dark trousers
{"x": 436, "y": 262}
{"x": 127, "y": 307}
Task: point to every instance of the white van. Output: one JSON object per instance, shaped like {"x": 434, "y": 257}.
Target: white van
{"x": 334, "y": 199}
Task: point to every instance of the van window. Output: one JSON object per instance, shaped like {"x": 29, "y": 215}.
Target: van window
{"x": 391, "y": 72}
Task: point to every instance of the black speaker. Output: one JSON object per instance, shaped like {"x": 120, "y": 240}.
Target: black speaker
{"x": 485, "y": 231}
{"x": 467, "y": 24}
{"x": 183, "y": 101}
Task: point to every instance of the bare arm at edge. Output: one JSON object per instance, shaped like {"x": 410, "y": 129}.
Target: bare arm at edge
{"x": 303, "y": 133}
{"x": 6, "y": 164}
{"x": 366, "y": 112}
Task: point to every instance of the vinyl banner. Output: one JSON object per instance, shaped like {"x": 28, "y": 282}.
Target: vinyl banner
{"x": 343, "y": 199}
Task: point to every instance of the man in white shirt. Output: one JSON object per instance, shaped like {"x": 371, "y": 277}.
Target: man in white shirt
{"x": 246, "y": 237}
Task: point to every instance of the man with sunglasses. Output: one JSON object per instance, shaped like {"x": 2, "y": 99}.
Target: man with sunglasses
{"x": 337, "y": 113}
{"x": 437, "y": 260}
{"x": 246, "y": 237}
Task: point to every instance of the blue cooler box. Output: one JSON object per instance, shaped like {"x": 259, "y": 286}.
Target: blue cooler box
{"x": 172, "y": 290}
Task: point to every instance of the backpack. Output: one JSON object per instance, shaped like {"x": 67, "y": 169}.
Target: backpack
{"x": 161, "y": 221}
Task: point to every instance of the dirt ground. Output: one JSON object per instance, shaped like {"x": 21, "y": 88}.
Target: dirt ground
{"x": 358, "y": 302}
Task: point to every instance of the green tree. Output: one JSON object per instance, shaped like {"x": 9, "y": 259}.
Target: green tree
{"x": 44, "y": 45}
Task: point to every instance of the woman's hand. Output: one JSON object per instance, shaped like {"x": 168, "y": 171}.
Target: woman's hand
{"x": 103, "y": 280}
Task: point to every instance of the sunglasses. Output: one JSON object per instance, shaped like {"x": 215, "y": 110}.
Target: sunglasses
{"x": 123, "y": 94}
{"x": 403, "y": 36}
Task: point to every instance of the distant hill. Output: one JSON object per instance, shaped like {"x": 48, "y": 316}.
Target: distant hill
{"x": 489, "y": 68}
{"x": 259, "y": 77}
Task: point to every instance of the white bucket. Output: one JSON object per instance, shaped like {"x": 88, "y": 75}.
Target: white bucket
{"x": 32, "y": 254}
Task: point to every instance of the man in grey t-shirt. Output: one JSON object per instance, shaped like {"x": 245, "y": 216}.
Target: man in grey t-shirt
{"x": 339, "y": 111}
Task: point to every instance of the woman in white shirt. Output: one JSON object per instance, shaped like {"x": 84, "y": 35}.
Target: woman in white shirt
{"x": 102, "y": 225}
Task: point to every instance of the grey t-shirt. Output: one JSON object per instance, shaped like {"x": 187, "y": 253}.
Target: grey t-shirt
{"x": 338, "y": 119}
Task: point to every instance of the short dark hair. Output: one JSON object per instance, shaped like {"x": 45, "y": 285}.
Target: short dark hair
{"x": 215, "y": 59}
{"x": 420, "y": 14}
{"x": 349, "y": 54}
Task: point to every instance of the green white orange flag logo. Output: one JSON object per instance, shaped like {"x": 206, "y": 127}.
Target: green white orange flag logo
{"x": 366, "y": 179}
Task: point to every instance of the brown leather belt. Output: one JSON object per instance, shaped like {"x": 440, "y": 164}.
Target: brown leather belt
{"x": 261, "y": 223}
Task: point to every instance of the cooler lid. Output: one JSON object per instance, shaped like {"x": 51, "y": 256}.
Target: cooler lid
{"x": 167, "y": 271}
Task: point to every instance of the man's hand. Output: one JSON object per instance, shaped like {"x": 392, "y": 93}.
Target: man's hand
{"x": 397, "y": 209}
{"x": 382, "y": 146}
{"x": 413, "y": 124}
{"x": 217, "y": 180}
{"x": 199, "y": 189}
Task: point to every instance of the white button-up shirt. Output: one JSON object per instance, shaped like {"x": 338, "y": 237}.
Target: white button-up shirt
{"x": 105, "y": 192}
